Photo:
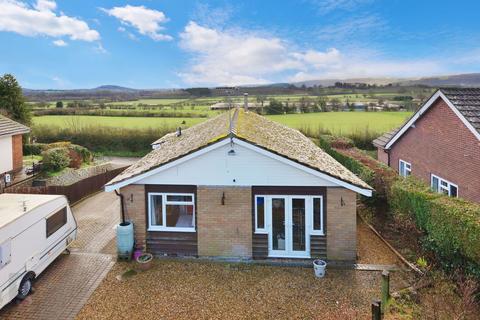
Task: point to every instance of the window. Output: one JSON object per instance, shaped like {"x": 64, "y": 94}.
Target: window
{"x": 5, "y": 253}
{"x": 56, "y": 221}
{"x": 171, "y": 212}
{"x": 260, "y": 210}
{"x": 443, "y": 186}
{"x": 317, "y": 215}
{"x": 404, "y": 168}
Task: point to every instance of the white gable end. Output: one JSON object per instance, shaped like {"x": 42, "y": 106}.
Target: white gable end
{"x": 246, "y": 168}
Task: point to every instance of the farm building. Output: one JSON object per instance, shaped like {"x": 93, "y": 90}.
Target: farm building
{"x": 439, "y": 144}
{"x": 11, "y": 151}
{"x": 240, "y": 185}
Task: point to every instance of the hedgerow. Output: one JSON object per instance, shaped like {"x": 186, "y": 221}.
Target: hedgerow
{"x": 451, "y": 226}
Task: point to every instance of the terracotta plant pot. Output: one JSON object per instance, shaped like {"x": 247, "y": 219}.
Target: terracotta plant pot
{"x": 145, "y": 261}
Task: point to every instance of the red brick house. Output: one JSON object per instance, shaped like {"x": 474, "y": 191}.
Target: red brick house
{"x": 11, "y": 151}
{"x": 240, "y": 185}
{"x": 440, "y": 143}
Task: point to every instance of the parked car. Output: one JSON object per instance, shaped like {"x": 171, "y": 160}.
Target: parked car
{"x": 34, "y": 231}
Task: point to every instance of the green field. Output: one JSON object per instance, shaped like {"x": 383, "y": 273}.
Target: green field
{"x": 125, "y": 122}
{"x": 337, "y": 122}
{"x": 344, "y": 122}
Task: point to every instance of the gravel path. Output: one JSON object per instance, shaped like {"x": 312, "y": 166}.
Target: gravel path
{"x": 201, "y": 290}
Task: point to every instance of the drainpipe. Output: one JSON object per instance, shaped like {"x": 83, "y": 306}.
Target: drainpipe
{"x": 122, "y": 207}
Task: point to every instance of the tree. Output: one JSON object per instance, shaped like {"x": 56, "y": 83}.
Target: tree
{"x": 59, "y": 105}
{"x": 275, "y": 107}
{"x": 12, "y": 100}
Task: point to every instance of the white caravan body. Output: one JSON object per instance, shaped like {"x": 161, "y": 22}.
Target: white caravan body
{"x": 34, "y": 231}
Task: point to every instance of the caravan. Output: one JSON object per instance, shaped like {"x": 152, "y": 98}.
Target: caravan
{"x": 34, "y": 231}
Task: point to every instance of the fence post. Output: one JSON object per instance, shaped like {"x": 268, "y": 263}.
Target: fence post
{"x": 385, "y": 289}
{"x": 376, "y": 310}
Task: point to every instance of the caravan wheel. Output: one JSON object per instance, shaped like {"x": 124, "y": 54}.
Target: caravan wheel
{"x": 25, "y": 287}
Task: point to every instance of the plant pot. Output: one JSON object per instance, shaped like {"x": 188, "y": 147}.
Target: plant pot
{"x": 145, "y": 261}
{"x": 319, "y": 266}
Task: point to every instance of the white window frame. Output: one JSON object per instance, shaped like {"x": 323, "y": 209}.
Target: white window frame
{"x": 263, "y": 230}
{"x": 313, "y": 231}
{"x": 407, "y": 166}
{"x": 440, "y": 187}
{"x": 165, "y": 202}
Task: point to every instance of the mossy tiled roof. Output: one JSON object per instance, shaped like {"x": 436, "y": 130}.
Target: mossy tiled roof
{"x": 247, "y": 126}
{"x": 9, "y": 127}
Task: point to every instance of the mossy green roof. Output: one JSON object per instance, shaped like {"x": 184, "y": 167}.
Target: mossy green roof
{"x": 247, "y": 126}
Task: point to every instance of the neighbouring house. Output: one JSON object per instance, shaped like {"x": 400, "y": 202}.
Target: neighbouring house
{"x": 11, "y": 150}
{"x": 240, "y": 185}
{"x": 440, "y": 143}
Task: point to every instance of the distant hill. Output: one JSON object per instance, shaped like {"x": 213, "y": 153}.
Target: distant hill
{"x": 119, "y": 93}
{"x": 461, "y": 80}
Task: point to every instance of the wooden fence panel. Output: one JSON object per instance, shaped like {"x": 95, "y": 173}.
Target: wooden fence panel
{"x": 74, "y": 192}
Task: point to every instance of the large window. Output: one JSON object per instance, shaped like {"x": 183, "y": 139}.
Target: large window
{"x": 443, "y": 186}
{"x": 56, "y": 221}
{"x": 404, "y": 168}
{"x": 171, "y": 212}
{"x": 260, "y": 214}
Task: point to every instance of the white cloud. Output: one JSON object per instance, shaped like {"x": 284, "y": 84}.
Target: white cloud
{"x": 236, "y": 57}
{"x": 41, "y": 20}
{"x": 60, "y": 43}
{"x": 239, "y": 57}
{"x": 326, "y": 6}
{"x": 147, "y": 21}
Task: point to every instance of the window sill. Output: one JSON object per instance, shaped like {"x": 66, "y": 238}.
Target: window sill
{"x": 317, "y": 233}
{"x": 261, "y": 232}
{"x": 166, "y": 229}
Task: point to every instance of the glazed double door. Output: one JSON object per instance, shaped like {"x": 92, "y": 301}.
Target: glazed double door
{"x": 288, "y": 225}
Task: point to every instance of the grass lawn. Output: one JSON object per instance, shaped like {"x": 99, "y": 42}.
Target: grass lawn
{"x": 126, "y": 122}
{"x": 176, "y": 289}
{"x": 344, "y": 122}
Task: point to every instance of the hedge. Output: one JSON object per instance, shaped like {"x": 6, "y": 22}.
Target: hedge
{"x": 103, "y": 139}
{"x": 363, "y": 172}
{"x": 451, "y": 225}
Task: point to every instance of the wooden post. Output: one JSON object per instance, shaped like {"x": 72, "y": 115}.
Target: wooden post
{"x": 385, "y": 289}
{"x": 376, "y": 310}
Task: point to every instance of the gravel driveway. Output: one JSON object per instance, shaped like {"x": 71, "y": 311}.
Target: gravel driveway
{"x": 65, "y": 286}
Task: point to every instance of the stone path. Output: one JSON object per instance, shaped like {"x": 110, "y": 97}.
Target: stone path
{"x": 65, "y": 286}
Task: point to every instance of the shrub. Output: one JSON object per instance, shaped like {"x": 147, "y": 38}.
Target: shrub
{"x": 363, "y": 172}
{"x": 34, "y": 148}
{"x": 451, "y": 225}
{"x": 104, "y": 139}
{"x": 55, "y": 159}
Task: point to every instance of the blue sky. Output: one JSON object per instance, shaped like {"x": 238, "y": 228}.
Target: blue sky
{"x": 182, "y": 43}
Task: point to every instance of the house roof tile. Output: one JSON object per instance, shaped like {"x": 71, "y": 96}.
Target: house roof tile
{"x": 247, "y": 126}
{"x": 9, "y": 127}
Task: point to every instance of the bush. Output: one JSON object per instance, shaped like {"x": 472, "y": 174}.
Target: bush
{"x": 451, "y": 225}
{"x": 55, "y": 159}
{"x": 104, "y": 139}
{"x": 363, "y": 172}
{"x": 34, "y": 148}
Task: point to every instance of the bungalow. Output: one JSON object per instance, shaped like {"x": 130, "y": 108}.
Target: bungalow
{"x": 11, "y": 152}
{"x": 240, "y": 185}
{"x": 440, "y": 143}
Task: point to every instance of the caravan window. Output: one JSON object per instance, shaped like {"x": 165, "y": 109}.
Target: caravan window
{"x": 5, "y": 253}
{"x": 56, "y": 221}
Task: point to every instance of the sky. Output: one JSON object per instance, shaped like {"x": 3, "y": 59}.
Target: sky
{"x": 181, "y": 43}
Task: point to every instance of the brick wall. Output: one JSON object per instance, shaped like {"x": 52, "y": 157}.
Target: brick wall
{"x": 341, "y": 224}
{"x": 17, "y": 152}
{"x": 382, "y": 156}
{"x": 135, "y": 211}
{"x": 224, "y": 230}
{"x": 441, "y": 144}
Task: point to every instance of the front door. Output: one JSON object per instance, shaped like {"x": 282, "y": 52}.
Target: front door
{"x": 288, "y": 227}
